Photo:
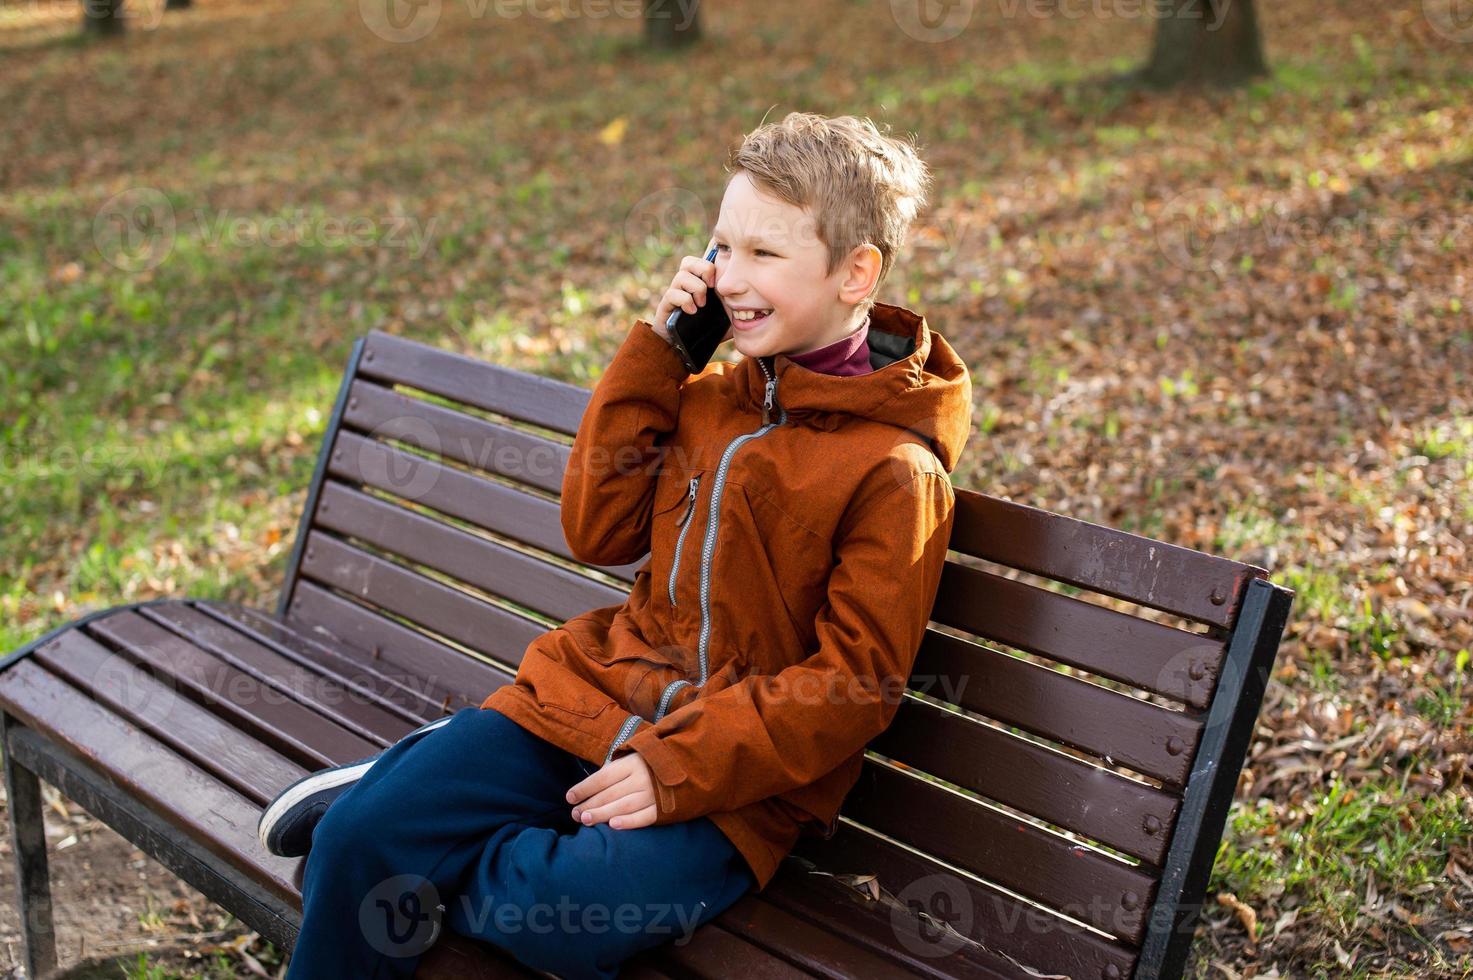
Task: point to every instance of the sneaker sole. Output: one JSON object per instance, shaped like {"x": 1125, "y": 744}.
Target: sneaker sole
{"x": 322, "y": 779}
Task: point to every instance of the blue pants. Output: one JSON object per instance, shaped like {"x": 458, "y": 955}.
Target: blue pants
{"x": 467, "y": 826}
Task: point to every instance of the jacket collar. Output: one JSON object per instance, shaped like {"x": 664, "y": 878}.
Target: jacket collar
{"x": 919, "y": 383}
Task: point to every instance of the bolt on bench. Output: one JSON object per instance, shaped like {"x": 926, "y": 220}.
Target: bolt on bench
{"x": 1018, "y": 819}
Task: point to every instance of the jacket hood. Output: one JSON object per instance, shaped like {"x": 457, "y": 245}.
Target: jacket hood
{"x": 918, "y": 383}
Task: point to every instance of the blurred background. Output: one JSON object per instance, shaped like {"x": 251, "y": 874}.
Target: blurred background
{"x": 1212, "y": 272}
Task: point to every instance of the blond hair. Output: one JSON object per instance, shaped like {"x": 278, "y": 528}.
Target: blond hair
{"x": 859, "y": 184}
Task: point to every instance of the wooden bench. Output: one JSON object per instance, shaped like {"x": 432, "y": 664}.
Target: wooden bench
{"x": 1072, "y": 832}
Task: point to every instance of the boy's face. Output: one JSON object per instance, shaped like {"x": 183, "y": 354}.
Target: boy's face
{"x": 769, "y": 257}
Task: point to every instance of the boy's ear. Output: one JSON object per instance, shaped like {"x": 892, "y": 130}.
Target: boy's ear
{"x": 861, "y": 272}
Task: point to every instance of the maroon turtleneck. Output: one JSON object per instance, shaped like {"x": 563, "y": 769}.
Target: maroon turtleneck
{"x": 845, "y": 356}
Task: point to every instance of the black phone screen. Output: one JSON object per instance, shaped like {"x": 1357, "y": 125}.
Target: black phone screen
{"x": 697, "y": 335}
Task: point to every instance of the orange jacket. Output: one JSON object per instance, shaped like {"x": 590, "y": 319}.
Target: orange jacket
{"x": 796, "y": 525}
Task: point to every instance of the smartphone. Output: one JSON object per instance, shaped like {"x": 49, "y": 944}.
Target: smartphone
{"x": 697, "y": 335}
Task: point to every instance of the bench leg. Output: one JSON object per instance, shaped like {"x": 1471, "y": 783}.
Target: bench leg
{"x": 28, "y": 842}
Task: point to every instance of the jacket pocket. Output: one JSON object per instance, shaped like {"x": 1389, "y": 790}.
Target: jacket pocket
{"x": 607, "y": 636}
{"x": 552, "y": 682}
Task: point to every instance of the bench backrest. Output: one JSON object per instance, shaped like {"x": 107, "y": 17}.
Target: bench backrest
{"x": 1055, "y": 788}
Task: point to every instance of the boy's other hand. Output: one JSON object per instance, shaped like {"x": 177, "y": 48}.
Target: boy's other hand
{"x": 692, "y": 287}
{"x": 622, "y": 792}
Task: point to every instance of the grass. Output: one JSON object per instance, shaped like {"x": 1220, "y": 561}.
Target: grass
{"x": 1321, "y": 859}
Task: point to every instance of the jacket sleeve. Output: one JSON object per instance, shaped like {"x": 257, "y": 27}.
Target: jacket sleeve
{"x": 609, "y": 484}
{"x": 770, "y": 733}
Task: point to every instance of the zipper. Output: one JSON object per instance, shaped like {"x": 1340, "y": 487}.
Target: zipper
{"x": 695, "y": 484}
{"x": 667, "y": 694}
{"x": 625, "y": 730}
{"x": 713, "y": 522}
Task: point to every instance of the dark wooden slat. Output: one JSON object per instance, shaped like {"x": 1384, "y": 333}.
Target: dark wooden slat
{"x": 1152, "y": 656}
{"x": 468, "y": 680}
{"x": 916, "y": 948}
{"x": 214, "y": 816}
{"x": 496, "y": 507}
{"x": 487, "y": 565}
{"x": 294, "y": 730}
{"x": 349, "y": 706}
{"x": 480, "y": 625}
{"x": 1121, "y": 729}
{"x": 516, "y": 454}
{"x": 551, "y": 404}
{"x": 714, "y": 952}
{"x": 1037, "y": 938}
{"x": 457, "y": 957}
{"x": 810, "y": 950}
{"x": 1168, "y": 577}
{"x": 1058, "y": 789}
{"x": 209, "y": 743}
{"x": 396, "y": 688}
{"x": 1045, "y": 866}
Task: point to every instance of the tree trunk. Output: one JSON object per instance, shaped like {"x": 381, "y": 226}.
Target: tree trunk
{"x": 102, "y": 18}
{"x": 669, "y": 24}
{"x": 1211, "y": 42}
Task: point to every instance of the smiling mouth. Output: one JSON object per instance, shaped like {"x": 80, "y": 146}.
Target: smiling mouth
{"x": 746, "y": 318}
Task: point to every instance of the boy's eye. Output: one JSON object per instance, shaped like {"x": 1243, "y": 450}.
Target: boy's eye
{"x": 760, "y": 251}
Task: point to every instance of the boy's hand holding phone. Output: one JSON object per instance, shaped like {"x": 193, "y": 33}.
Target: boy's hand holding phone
{"x": 690, "y": 315}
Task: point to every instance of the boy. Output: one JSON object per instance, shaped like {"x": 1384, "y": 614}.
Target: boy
{"x": 664, "y": 754}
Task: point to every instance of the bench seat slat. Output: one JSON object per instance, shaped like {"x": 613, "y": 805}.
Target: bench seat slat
{"x": 457, "y": 957}
{"x": 1000, "y": 847}
{"x": 816, "y": 951}
{"x": 289, "y": 727}
{"x": 395, "y": 688}
{"x": 1042, "y": 940}
{"x": 1126, "y": 730}
{"x": 716, "y": 952}
{"x": 215, "y": 816}
{"x": 254, "y": 770}
{"x": 1043, "y": 782}
{"x": 1112, "y": 562}
{"x": 492, "y": 506}
{"x": 493, "y": 567}
{"x": 1151, "y": 656}
{"x": 350, "y": 707}
{"x": 516, "y": 454}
